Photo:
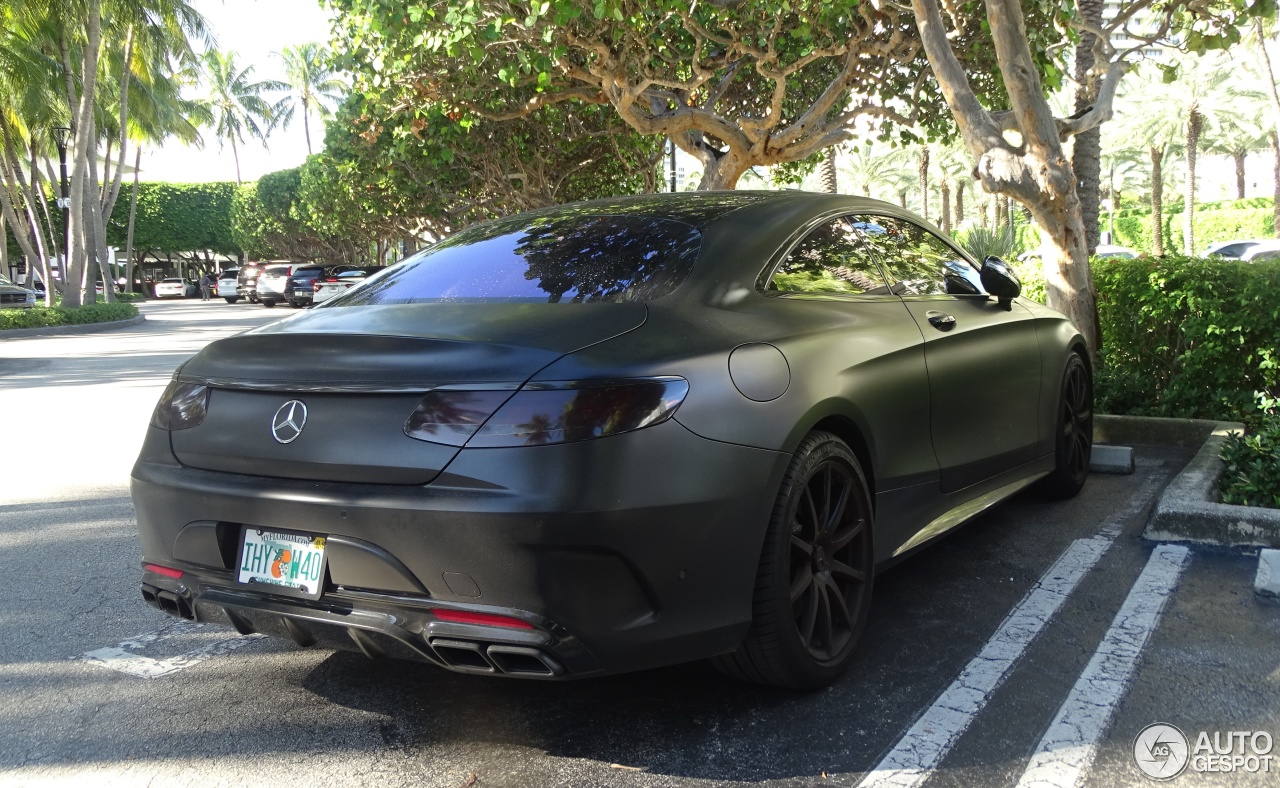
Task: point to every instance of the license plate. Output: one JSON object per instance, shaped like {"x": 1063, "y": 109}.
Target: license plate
{"x": 287, "y": 561}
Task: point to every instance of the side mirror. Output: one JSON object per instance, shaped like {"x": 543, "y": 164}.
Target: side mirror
{"x": 1000, "y": 281}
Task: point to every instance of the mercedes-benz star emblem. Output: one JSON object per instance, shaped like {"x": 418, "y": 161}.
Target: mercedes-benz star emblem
{"x": 288, "y": 422}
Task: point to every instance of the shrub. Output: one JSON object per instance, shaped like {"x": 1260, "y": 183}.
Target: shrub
{"x": 1186, "y": 337}
{"x": 1252, "y": 474}
{"x": 983, "y": 243}
{"x": 43, "y": 317}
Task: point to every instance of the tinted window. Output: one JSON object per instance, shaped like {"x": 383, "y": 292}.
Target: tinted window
{"x": 829, "y": 260}
{"x": 570, "y": 258}
{"x": 276, "y": 270}
{"x": 916, "y": 261}
{"x": 310, "y": 272}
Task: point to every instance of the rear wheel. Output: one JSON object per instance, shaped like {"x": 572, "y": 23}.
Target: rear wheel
{"x": 1074, "y": 432}
{"x": 813, "y": 589}
{"x": 232, "y": 300}
{"x": 268, "y": 302}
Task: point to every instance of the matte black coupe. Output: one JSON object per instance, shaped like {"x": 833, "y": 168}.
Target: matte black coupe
{"x": 609, "y": 436}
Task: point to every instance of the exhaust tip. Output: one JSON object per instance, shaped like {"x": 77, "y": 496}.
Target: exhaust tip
{"x": 462, "y": 655}
{"x": 520, "y": 661}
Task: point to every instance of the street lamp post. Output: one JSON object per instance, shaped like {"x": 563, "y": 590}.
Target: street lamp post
{"x": 61, "y": 136}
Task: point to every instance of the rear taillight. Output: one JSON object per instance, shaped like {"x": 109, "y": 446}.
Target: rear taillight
{"x": 181, "y": 407}
{"x": 482, "y": 619}
{"x": 545, "y": 413}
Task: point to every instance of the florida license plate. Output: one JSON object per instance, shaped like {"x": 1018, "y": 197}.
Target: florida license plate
{"x": 292, "y": 562}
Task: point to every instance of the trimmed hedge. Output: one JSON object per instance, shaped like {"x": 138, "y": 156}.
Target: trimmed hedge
{"x": 1223, "y": 222}
{"x": 1187, "y": 337}
{"x": 43, "y": 316}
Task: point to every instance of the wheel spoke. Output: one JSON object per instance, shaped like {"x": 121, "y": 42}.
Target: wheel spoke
{"x": 810, "y": 618}
{"x": 843, "y": 538}
{"x": 799, "y": 544}
{"x": 813, "y": 508}
{"x": 839, "y": 568}
{"x": 826, "y": 499}
{"x": 828, "y": 625}
{"x": 803, "y": 580}
{"x": 842, "y": 607}
{"x": 841, "y": 505}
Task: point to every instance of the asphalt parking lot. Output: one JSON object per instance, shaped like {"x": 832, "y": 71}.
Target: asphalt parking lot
{"x": 1029, "y": 648}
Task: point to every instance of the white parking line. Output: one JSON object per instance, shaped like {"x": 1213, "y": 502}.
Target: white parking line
{"x": 125, "y": 659}
{"x": 1069, "y": 746}
{"x": 922, "y": 748}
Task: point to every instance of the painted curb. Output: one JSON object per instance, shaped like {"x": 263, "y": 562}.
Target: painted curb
{"x": 87, "y": 328}
{"x": 1111, "y": 459}
{"x": 1267, "y": 582}
{"x": 1188, "y": 509}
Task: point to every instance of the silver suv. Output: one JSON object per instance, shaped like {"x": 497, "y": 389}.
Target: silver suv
{"x": 15, "y": 296}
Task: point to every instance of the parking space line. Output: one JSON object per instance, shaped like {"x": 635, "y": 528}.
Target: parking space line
{"x": 913, "y": 759}
{"x": 124, "y": 658}
{"x": 1069, "y": 747}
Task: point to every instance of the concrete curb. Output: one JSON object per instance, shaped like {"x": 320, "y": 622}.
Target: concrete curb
{"x": 1188, "y": 509}
{"x": 86, "y": 328}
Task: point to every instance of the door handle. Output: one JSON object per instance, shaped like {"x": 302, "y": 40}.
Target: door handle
{"x": 940, "y": 321}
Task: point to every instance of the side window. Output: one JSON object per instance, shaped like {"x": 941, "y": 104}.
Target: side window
{"x": 830, "y": 259}
{"x": 916, "y": 261}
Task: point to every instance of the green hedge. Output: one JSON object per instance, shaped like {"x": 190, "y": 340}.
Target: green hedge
{"x": 43, "y": 317}
{"x": 1214, "y": 222}
{"x": 1187, "y": 337}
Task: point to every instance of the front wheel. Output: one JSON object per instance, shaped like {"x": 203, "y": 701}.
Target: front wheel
{"x": 1074, "y": 439}
{"x": 813, "y": 589}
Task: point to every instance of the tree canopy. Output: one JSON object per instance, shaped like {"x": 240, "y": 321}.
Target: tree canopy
{"x": 734, "y": 84}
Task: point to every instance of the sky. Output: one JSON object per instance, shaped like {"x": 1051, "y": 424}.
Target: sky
{"x": 254, "y": 29}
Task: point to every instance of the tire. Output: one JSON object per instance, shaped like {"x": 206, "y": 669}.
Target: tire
{"x": 268, "y": 302}
{"x": 1074, "y": 424}
{"x": 295, "y": 304}
{"x": 813, "y": 589}
{"x": 231, "y": 300}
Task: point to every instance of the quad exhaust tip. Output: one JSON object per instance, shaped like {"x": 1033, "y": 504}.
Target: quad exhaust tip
{"x": 471, "y": 657}
{"x": 167, "y": 601}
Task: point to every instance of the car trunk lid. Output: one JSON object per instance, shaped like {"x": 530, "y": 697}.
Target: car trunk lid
{"x": 360, "y": 372}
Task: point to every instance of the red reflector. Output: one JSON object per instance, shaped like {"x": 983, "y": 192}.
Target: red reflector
{"x": 483, "y": 619}
{"x": 163, "y": 570}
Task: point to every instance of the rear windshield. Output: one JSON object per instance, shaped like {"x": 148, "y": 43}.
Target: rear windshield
{"x": 311, "y": 272}
{"x": 574, "y": 258}
{"x": 276, "y": 270}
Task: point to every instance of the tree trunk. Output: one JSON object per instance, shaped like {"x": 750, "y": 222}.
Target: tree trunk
{"x": 720, "y": 171}
{"x": 924, "y": 182}
{"x": 902, "y": 199}
{"x": 1086, "y": 151}
{"x": 960, "y": 186}
{"x": 1195, "y": 122}
{"x": 236, "y": 155}
{"x": 1157, "y": 202}
{"x": 1275, "y": 171}
{"x": 1068, "y": 284}
{"x": 306, "y": 126}
{"x": 1239, "y": 157}
{"x": 133, "y": 215}
{"x": 827, "y": 171}
{"x": 945, "y": 186}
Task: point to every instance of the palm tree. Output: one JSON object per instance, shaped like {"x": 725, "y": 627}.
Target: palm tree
{"x": 1205, "y": 97}
{"x": 314, "y": 85}
{"x": 237, "y": 104}
{"x": 878, "y": 171}
{"x": 1239, "y": 138}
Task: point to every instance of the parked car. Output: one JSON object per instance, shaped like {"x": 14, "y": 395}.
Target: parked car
{"x": 1261, "y": 250}
{"x": 1234, "y": 249}
{"x": 1109, "y": 250}
{"x": 299, "y": 288}
{"x": 338, "y": 282}
{"x": 247, "y": 281}
{"x": 176, "y": 287}
{"x": 610, "y": 436}
{"x": 272, "y": 281}
{"x": 14, "y": 296}
{"x": 226, "y": 288}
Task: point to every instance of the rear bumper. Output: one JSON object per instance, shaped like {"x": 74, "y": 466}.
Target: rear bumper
{"x": 621, "y": 553}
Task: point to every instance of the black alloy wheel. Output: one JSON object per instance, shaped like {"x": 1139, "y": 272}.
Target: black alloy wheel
{"x": 1074, "y": 440}
{"x": 814, "y": 587}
